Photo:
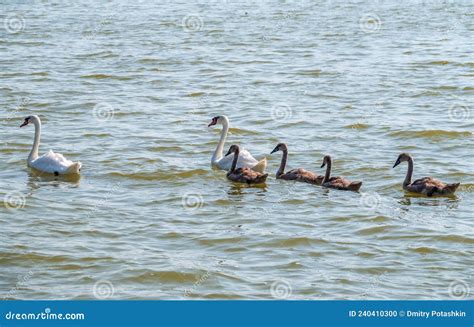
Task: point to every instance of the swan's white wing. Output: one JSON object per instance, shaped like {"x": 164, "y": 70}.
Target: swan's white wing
{"x": 51, "y": 163}
{"x": 245, "y": 155}
{"x": 245, "y": 160}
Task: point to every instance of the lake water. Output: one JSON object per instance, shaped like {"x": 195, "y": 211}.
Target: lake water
{"x": 128, "y": 90}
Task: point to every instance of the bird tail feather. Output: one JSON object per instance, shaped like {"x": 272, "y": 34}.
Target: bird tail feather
{"x": 75, "y": 168}
{"x": 260, "y": 166}
{"x": 355, "y": 186}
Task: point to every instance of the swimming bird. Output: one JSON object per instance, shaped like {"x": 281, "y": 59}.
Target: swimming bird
{"x": 225, "y": 162}
{"x": 53, "y": 163}
{"x": 244, "y": 174}
{"x": 426, "y": 185}
{"x": 339, "y": 183}
{"x": 298, "y": 174}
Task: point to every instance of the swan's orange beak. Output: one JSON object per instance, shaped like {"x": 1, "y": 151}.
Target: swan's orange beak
{"x": 24, "y": 123}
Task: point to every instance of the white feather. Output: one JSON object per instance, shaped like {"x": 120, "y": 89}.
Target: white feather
{"x": 54, "y": 163}
{"x": 51, "y": 162}
{"x": 245, "y": 158}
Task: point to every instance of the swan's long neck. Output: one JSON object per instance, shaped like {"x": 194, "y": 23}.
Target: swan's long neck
{"x": 234, "y": 162}
{"x": 284, "y": 158}
{"x": 34, "y": 151}
{"x": 328, "y": 171}
{"x": 409, "y": 175}
{"x": 218, "y": 154}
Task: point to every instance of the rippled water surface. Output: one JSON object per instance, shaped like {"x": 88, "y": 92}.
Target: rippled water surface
{"x": 128, "y": 90}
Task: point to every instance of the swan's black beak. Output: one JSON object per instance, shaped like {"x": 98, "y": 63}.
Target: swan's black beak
{"x": 396, "y": 163}
{"x": 24, "y": 123}
{"x": 324, "y": 164}
{"x": 213, "y": 122}
{"x": 275, "y": 150}
{"x": 228, "y": 152}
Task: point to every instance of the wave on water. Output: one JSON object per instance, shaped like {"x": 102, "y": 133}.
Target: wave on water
{"x": 196, "y": 94}
{"x": 106, "y": 76}
{"x": 314, "y": 72}
{"x": 26, "y": 43}
{"x": 439, "y": 62}
{"x": 100, "y": 54}
{"x": 293, "y": 242}
{"x": 375, "y": 230}
{"x": 423, "y": 249}
{"x": 160, "y": 175}
{"x": 447, "y": 62}
{"x": 164, "y": 276}
{"x": 239, "y": 131}
{"x": 468, "y": 188}
{"x": 436, "y": 133}
{"x": 12, "y": 257}
{"x": 99, "y": 135}
{"x": 357, "y": 126}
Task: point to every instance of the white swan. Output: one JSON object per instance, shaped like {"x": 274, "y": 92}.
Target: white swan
{"x": 245, "y": 158}
{"x": 53, "y": 163}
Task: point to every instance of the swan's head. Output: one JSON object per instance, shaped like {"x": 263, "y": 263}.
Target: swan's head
{"x": 326, "y": 160}
{"x": 218, "y": 120}
{"x": 280, "y": 147}
{"x": 26, "y": 121}
{"x": 401, "y": 158}
{"x": 233, "y": 148}
{"x": 30, "y": 119}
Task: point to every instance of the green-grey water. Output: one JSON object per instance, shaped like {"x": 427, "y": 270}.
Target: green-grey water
{"x": 129, "y": 88}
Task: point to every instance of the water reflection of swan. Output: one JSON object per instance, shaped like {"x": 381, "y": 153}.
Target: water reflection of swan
{"x": 37, "y": 179}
